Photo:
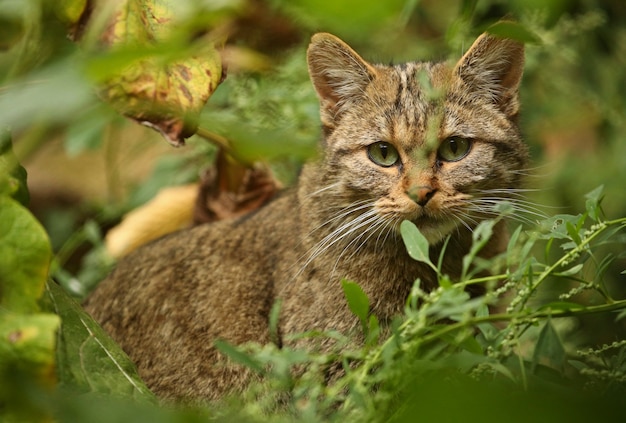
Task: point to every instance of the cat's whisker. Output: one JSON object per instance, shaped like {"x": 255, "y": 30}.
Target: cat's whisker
{"x": 378, "y": 222}
{"x": 321, "y": 190}
{"x": 340, "y": 233}
{"x": 344, "y": 212}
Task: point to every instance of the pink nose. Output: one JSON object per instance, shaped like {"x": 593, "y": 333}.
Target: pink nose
{"x": 421, "y": 194}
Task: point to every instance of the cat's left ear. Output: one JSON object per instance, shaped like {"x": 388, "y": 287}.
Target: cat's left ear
{"x": 493, "y": 68}
{"x": 338, "y": 73}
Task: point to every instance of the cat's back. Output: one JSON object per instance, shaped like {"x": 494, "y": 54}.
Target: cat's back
{"x": 167, "y": 302}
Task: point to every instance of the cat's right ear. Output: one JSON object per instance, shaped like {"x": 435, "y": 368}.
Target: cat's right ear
{"x": 338, "y": 73}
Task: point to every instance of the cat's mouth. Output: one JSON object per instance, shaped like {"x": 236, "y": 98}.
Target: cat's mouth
{"x": 435, "y": 229}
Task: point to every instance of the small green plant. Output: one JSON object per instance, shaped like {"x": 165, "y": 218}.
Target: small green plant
{"x": 510, "y": 343}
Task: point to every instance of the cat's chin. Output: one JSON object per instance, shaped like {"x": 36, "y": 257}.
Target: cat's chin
{"x": 435, "y": 231}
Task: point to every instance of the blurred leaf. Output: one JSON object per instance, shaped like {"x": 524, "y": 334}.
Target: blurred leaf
{"x": 231, "y": 189}
{"x": 561, "y": 305}
{"x": 161, "y": 87}
{"x": 12, "y": 174}
{"x": 53, "y": 94}
{"x": 549, "y": 350}
{"x": 27, "y": 337}
{"x": 25, "y": 255}
{"x": 171, "y": 210}
{"x": 238, "y": 356}
{"x": 593, "y": 202}
{"x": 357, "y": 300}
{"x": 28, "y": 341}
{"x": 572, "y": 270}
{"x": 514, "y": 31}
{"x": 71, "y": 11}
{"x": 573, "y": 233}
{"x": 87, "y": 358}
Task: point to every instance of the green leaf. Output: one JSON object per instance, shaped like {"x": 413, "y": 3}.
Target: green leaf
{"x": 562, "y": 305}
{"x": 238, "y": 356}
{"x": 513, "y": 31}
{"x": 28, "y": 341}
{"x": 373, "y": 331}
{"x": 593, "y": 202}
{"x": 573, "y": 233}
{"x": 549, "y": 350}
{"x": 357, "y": 300}
{"x": 416, "y": 243}
{"x": 572, "y": 270}
{"x": 25, "y": 254}
{"x": 87, "y": 358}
{"x": 12, "y": 174}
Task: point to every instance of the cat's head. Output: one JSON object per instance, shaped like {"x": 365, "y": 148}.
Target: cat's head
{"x": 433, "y": 143}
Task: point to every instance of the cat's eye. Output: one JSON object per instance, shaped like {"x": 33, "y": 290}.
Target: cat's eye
{"x": 454, "y": 148}
{"x": 383, "y": 154}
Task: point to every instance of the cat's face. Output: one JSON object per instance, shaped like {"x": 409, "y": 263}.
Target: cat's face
{"x": 432, "y": 143}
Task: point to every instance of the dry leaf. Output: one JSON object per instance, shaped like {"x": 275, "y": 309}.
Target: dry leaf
{"x": 231, "y": 189}
{"x": 171, "y": 210}
{"x": 164, "y": 92}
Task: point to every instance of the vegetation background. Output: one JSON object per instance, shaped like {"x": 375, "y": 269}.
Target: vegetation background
{"x": 88, "y": 166}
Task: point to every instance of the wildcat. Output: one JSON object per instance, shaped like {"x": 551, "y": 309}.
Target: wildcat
{"x": 427, "y": 142}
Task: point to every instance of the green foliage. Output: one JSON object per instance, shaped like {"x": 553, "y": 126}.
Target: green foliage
{"x": 448, "y": 346}
{"x": 27, "y": 342}
{"x": 87, "y": 359}
{"x": 556, "y": 352}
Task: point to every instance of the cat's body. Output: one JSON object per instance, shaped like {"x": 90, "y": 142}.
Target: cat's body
{"x": 393, "y": 150}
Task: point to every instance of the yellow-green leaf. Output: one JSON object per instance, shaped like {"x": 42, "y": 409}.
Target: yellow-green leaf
{"x": 165, "y": 85}
{"x": 25, "y": 254}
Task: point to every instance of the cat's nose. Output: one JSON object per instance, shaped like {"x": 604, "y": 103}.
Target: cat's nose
{"x": 421, "y": 194}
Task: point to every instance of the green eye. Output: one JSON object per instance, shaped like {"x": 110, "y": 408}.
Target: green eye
{"x": 383, "y": 154}
{"x": 454, "y": 148}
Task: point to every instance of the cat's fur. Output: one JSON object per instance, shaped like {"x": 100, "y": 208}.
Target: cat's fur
{"x": 167, "y": 302}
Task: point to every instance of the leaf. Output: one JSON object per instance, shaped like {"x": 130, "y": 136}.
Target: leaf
{"x": 171, "y": 210}
{"x": 25, "y": 254}
{"x": 573, "y": 233}
{"x": 27, "y": 337}
{"x": 357, "y": 300}
{"x": 593, "y": 202}
{"x": 12, "y": 174}
{"x": 161, "y": 86}
{"x": 232, "y": 189}
{"x": 28, "y": 341}
{"x": 87, "y": 358}
{"x": 549, "y": 350}
{"x": 416, "y": 243}
{"x": 238, "y": 356}
{"x": 513, "y": 31}
{"x": 572, "y": 270}
{"x": 562, "y": 305}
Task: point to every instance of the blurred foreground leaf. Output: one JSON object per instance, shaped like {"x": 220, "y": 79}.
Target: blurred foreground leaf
{"x": 26, "y": 335}
{"x": 24, "y": 258}
{"x": 87, "y": 358}
{"x": 151, "y": 82}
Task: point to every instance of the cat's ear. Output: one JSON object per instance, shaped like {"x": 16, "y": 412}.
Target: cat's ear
{"x": 493, "y": 68}
{"x": 338, "y": 73}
